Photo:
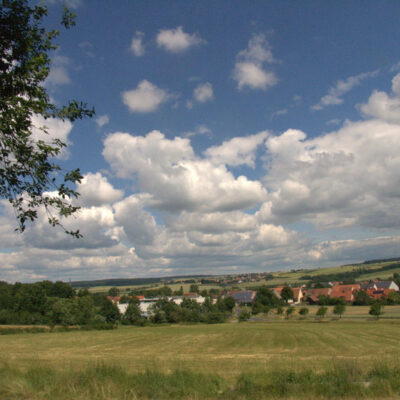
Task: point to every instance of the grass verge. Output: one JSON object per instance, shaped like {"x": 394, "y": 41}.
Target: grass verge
{"x": 100, "y": 381}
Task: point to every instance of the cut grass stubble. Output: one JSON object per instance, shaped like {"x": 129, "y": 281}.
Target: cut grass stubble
{"x": 298, "y": 359}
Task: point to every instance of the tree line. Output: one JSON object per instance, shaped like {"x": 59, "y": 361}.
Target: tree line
{"x": 48, "y": 303}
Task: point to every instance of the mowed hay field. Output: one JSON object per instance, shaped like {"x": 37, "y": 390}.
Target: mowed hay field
{"x": 224, "y": 349}
{"x": 275, "y": 359}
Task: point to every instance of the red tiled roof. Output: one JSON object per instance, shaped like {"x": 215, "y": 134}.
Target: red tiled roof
{"x": 315, "y": 294}
{"x": 114, "y": 299}
{"x": 378, "y": 294}
{"x": 345, "y": 291}
{"x": 296, "y": 292}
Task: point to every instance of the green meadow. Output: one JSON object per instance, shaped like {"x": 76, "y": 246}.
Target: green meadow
{"x": 233, "y": 360}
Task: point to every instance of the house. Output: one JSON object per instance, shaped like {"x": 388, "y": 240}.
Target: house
{"x": 115, "y": 299}
{"x": 379, "y": 293}
{"x": 386, "y": 285}
{"x": 191, "y": 296}
{"x": 344, "y": 292}
{"x": 277, "y": 291}
{"x": 297, "y": 295}
{"x": 243, "y": 297}
{"x": 122, "y": 308}
{"x": 145, "y": 306}
{"x": 312, "y": 295}
{"x": 367, "y": 285}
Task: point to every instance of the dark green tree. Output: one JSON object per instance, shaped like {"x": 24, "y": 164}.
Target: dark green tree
{"x": 339, "y": 309}
{"x": 376, "y": 310}
{"x": 194, "y": 288}
{"x": 110, "y": 311}
{"x": 361, "y": 298}
{"x": 113, "y": 292}
{"x": 321, "y": 312}
{"x": 27, "y": 168}
{"x": 84, "y": 310}
{"x": 133, "y": 315}
{"x": 267, "y": 297}
{"x": 289, "y": 311}
{"x": 229, "y": 303}
{"x": 83, "y": 292}
{"x": 124, "y": 299}
{"x": 244, "y": 315}
{"x": 286, "y": 294}
{"x": 257, "y": 308}
{"x": 303, "y": 311}
{"x": 61, "y": 289}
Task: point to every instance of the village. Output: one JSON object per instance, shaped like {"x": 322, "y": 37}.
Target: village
{"x": 324, "y": 293}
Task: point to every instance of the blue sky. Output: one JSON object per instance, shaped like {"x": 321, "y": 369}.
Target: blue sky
{"x": 229, "y": 137}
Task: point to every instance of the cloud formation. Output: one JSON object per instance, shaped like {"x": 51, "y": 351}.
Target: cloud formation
{"x": 48, "y": 130}
{"x": 146, "y": 98}
{"x": 342, "y": 179}
{"x": 237, "y": 151}
{"x": 385, "y": 106}
{"x": 249, "y": 70}
{"x": 58, "y": 74}
{"x": 137, "y": 46}
{"x": 185, "y": 211}
{"x": 95, "y": 190}
{"x": 336, "y": 93}
{"x": 174, "y": 178}
{"x": 102, "y": 120}
{"x": 176, "y": 40}
{"x": 203, "y": 92}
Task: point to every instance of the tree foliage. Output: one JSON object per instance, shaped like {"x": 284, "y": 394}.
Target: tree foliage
{"x": 376, "y": 310}
{"x": 321, "y": 312}
{"x": 28, "y": 172}
{"x": 339, "y": 309}
{"x": 286, "y": 293}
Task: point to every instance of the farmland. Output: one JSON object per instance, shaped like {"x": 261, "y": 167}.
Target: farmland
{"x": 383, "y": 269}
{"x": 224, "y": 350}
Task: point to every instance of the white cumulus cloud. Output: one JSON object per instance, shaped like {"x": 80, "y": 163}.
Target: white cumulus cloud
{"x": 95, "y": 190}
{"x": 385, "y": 106}
{"x": 137, "y": 46}
{"x": 203, "y": 92}
{"x": 249, "y": 70}
{"x": 102, "y": 120}
{"x": 175, "y": 178}
{"x": 176, "y": 40}
{"x": 145, "y": 98}
{"x": 237, "y": 151}
{"x": 50, "y": 129}
{"x": 344, "y": 178}
{"x": 58, "y": 74}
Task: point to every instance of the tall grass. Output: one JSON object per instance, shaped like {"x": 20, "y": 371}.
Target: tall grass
{"x": 102, "y": 381}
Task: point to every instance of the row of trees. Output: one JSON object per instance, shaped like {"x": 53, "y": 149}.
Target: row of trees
{"x": 376, "y": 310}
{"x": 266, "y": 300}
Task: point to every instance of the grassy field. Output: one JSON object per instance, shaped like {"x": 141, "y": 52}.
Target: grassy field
{"x": 225, "y": 349}
{"x": 232, "y": 352}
